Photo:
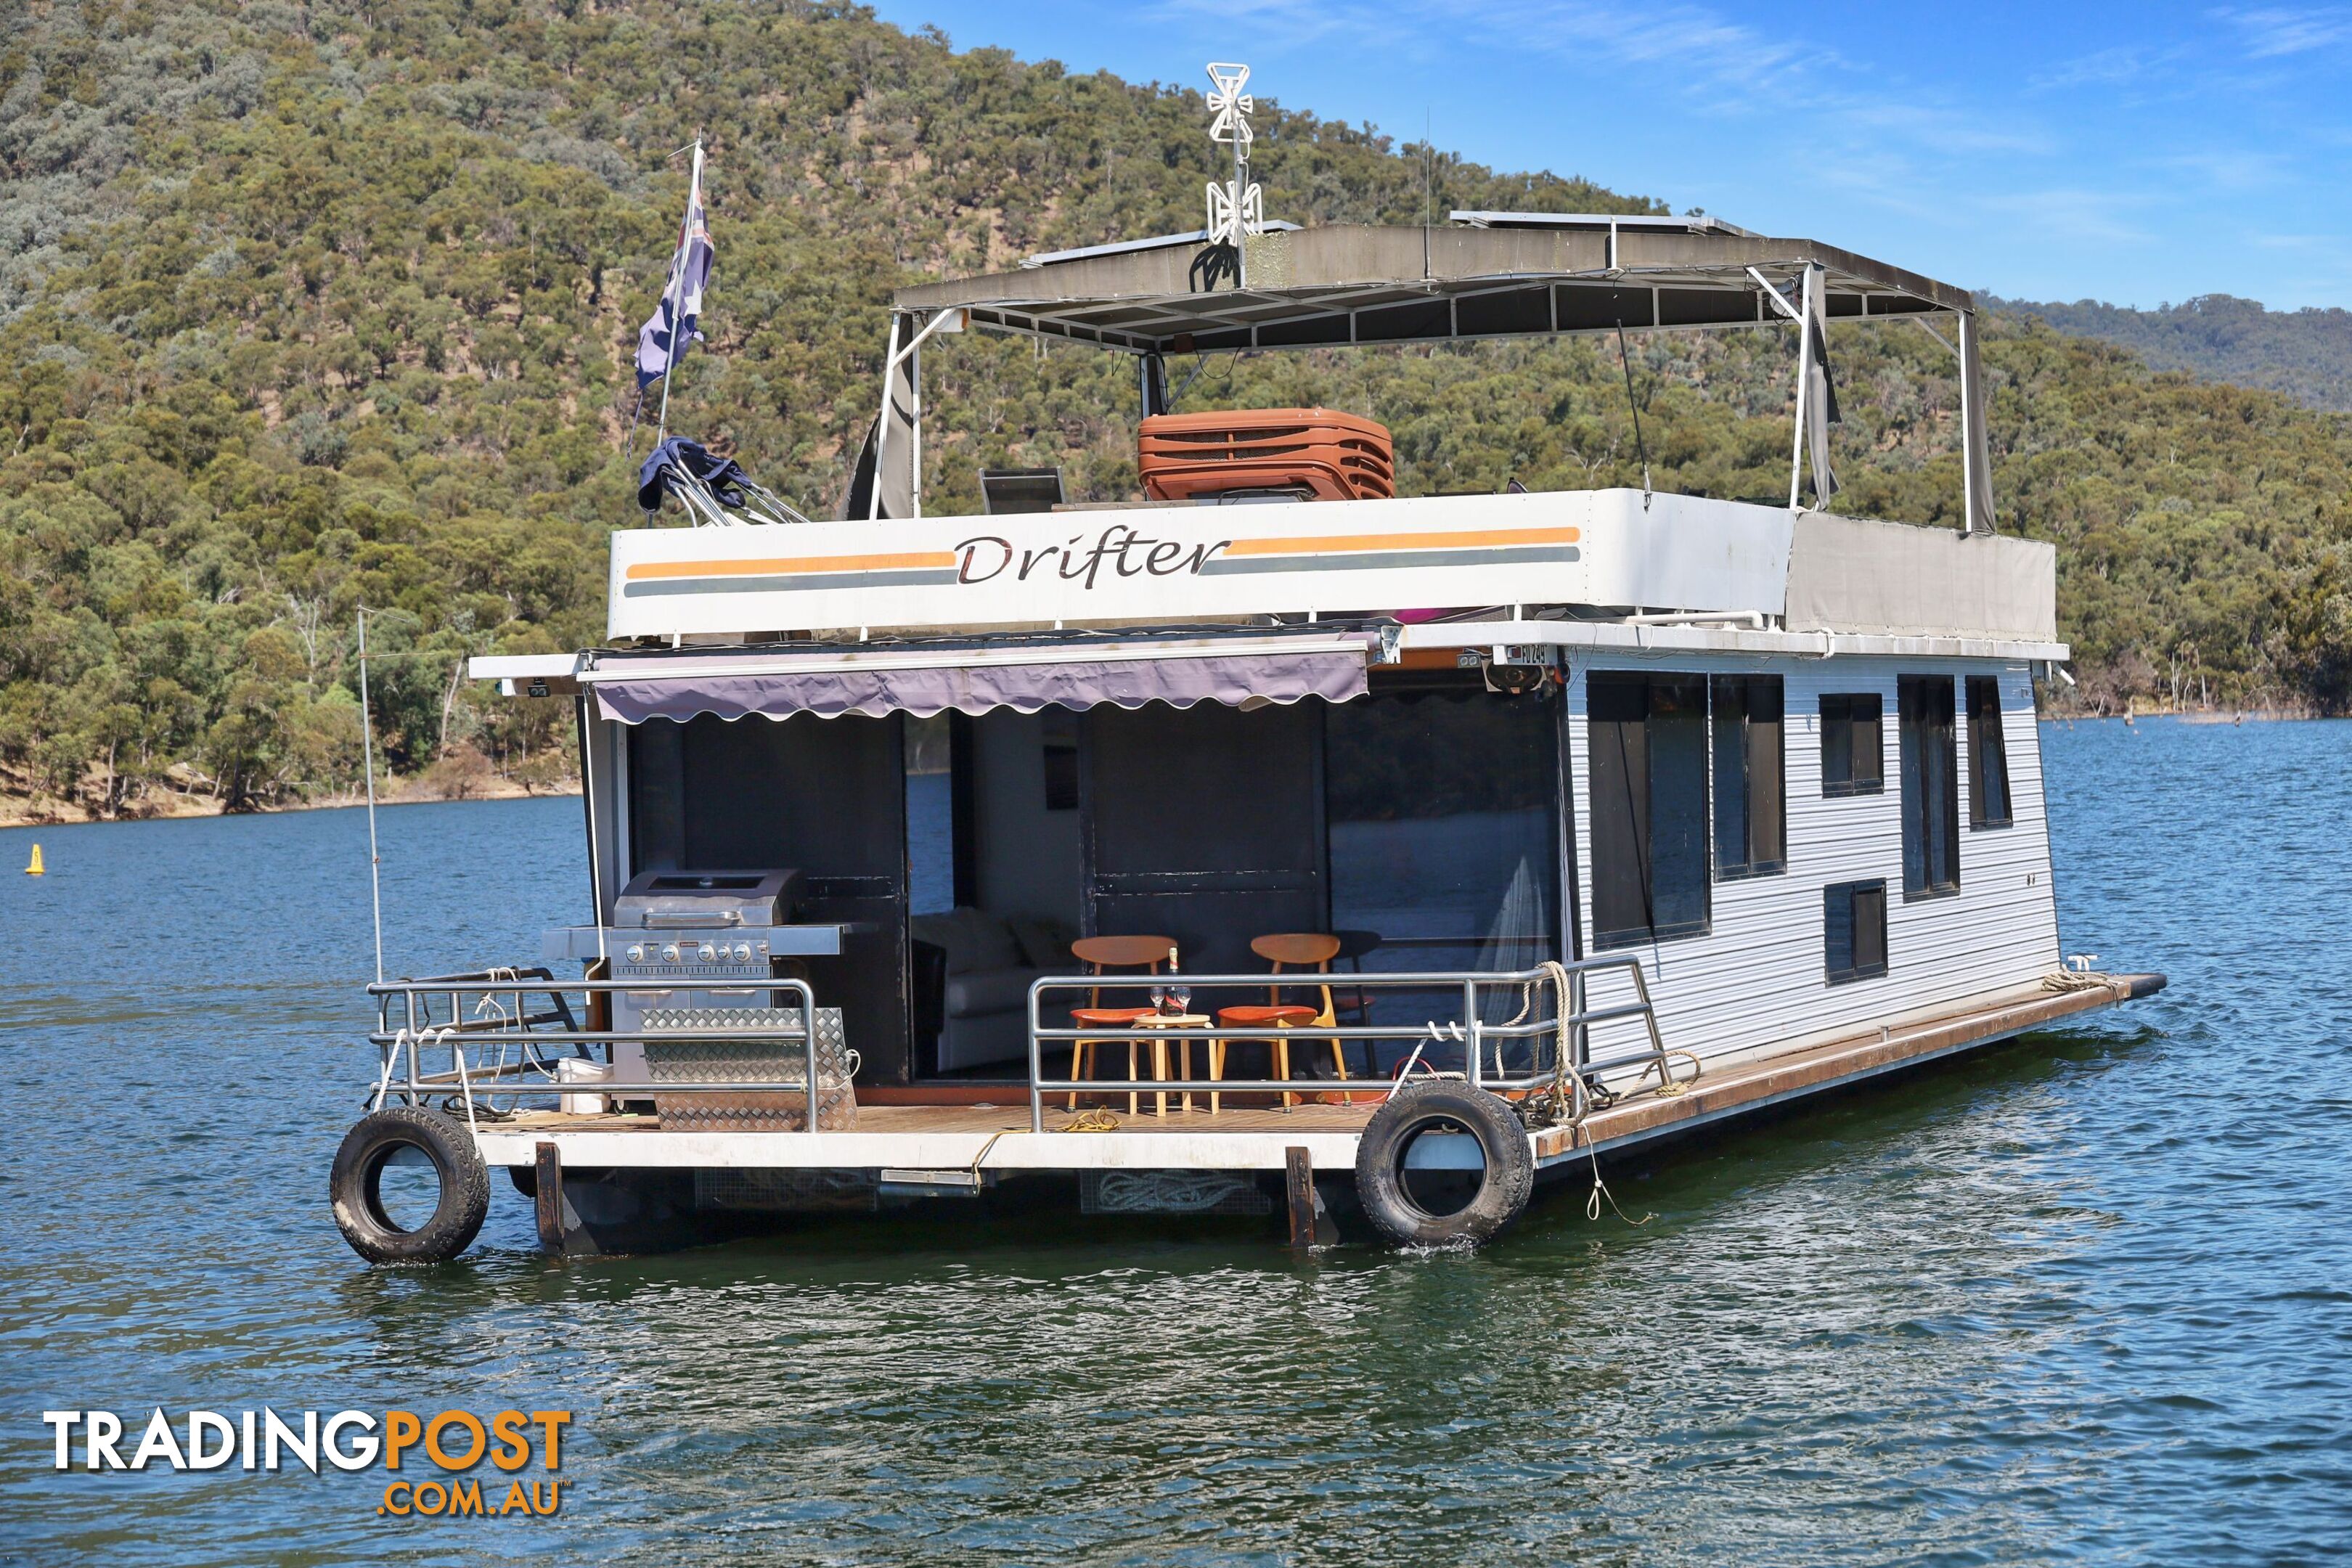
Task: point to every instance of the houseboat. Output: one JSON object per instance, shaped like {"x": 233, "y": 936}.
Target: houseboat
{"x": 1272, "y": 842}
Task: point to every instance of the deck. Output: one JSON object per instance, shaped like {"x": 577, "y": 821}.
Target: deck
{"x": 995, "y": 1137}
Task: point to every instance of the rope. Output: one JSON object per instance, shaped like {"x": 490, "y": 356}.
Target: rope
{"x": 2069, "y": 980}
{"x": 1668, "y": 1085}
{"x": 1098, "y": 1120}
{"x": 1558, "y": 1107}
{"x": 1601, "y": 1188}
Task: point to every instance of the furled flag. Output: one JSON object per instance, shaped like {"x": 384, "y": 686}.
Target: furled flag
{"x": 672, "y": 325}
{"x": 1819, "y": 393}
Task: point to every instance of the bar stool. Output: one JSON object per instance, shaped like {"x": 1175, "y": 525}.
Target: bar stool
{"x": 1101, "y": 954}
{"x": 1299, "y": 950}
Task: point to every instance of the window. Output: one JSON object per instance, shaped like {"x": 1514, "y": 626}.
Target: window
{"x": 931, "y": 816}
{"x": 1455, "y": 865}
{"x": 1931, "y": 786}
{"x": 1751, "y": 825}
{"x": 1854, "y": 930}
{"x": 1853, "y": 744}
{"x": 1987, "y": 755}
{"x": 1648, "y": 734}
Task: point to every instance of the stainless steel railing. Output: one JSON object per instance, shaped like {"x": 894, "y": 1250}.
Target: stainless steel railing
{"x": 489, "y": 1013}
{"x": 1568, "y": 1017}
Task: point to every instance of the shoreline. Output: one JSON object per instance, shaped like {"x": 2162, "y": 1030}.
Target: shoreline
{"x": 47, "y": 811}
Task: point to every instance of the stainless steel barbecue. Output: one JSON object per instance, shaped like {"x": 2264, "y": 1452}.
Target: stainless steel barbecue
{"x": 676, "y": 900}
{"x": 705, "y": 939}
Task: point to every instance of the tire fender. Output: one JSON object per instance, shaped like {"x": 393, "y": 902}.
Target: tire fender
{"x": 1435, "y": 1105}
{"x": 355, "y": 1186}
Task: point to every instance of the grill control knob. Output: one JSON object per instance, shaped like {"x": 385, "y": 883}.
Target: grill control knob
{"x": 670, "y": 952}
{"x": 708, "y": 953}
{"x": 743, "y": 953}
{"x": 636, "y": 953}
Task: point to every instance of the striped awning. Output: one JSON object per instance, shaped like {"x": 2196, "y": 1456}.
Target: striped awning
{"x": 1239, "y": 673}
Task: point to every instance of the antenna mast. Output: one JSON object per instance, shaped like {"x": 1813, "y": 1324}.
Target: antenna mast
{"x": 1238, "y": 208}
{"x": 367, "y": 762}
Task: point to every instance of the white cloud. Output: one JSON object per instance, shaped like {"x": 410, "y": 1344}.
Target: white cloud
{"x": 2073, "y": 213}
{"x": 2270, "y": 34}
{"x": 2232, "y": 169}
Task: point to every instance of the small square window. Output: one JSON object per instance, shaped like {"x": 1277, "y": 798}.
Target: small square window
{"x": 1854, "y": 755}
{"x": 1854, "y": 930}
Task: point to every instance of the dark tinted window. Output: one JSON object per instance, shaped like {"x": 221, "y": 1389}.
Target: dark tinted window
{"x": 1650, "y": 820}
{"x": 1987, "y": 755}
{"x": 1443, "y": 809}
{"x": 1750, "y": 820}
{"x": 1854, "y": 930}
{"x": 1853, "y": 749}
{"x": 1931, "y": 786}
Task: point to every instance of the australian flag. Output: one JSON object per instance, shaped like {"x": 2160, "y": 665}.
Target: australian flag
{"x": 672, "y": 325}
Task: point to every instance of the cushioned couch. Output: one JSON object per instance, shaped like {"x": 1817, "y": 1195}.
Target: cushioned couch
{"x": 973, "y": 984}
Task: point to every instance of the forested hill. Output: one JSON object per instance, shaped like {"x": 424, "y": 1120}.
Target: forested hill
{"x": 309, "y": 308}
{"x": 2306, "y": 353}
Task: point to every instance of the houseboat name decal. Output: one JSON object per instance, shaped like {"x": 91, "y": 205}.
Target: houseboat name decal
{"x": 1126, "y": 550}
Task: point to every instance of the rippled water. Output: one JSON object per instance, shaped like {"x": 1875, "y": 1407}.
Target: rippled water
{"x": 2083, "y": 1297}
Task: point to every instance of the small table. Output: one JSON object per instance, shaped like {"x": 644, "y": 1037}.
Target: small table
{"x": 1160, "y": 1054}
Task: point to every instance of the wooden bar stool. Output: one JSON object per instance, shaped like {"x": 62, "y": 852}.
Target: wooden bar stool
{"x": 1299, "y": 950}
{"x": 1101, "y": 954}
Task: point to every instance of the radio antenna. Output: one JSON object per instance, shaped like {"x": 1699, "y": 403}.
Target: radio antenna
{"x": 367, "y": 757}
{"x": 1236, "y": 208}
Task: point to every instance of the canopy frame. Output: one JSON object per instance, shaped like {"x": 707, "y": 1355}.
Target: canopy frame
{"x": 1491, "y": 276}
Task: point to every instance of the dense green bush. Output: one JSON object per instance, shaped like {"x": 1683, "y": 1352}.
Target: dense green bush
{"x": 306, "y": 309}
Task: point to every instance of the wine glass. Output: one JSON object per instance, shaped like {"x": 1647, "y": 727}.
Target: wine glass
{"x": 1183, "y": 994}
{"x": 1159, "y": 997}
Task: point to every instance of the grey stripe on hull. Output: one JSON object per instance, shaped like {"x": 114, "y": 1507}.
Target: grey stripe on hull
{"x": 661, "y": 587}
{"x": 1224, "y": 564}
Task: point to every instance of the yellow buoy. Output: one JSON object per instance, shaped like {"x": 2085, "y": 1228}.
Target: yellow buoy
{"x": 36, "y": 868}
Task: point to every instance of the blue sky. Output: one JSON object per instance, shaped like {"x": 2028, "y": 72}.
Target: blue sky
{"x": 2133, "y": 153}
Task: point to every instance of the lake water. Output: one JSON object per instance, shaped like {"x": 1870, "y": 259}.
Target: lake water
{"x": 2084, "y": 1297}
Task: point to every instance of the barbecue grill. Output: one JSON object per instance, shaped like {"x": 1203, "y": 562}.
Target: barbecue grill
{"x": 705, "y": 939}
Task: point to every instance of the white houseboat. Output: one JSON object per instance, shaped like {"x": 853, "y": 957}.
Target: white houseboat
{"x": 1272, "y": 844}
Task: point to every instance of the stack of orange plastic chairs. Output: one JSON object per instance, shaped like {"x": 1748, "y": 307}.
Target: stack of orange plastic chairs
{"x": 1330, "y": 456}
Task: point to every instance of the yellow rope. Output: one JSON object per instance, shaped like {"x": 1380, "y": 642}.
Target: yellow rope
{"x": 1668, "y": 1085}
{"x": 1098, "y": 1120}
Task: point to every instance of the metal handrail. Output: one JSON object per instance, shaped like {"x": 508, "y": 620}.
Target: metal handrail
{"x": 405, "y": 1043}
{"x": 1467, "y": 1029}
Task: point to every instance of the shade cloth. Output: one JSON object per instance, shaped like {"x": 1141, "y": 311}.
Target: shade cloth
{"x": 1239, "y": 679}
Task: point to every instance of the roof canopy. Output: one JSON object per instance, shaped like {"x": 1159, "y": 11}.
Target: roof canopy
{"x": 1499, "y": 275}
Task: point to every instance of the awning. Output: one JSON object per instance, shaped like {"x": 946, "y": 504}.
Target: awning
{"x": 1238, "y": 673}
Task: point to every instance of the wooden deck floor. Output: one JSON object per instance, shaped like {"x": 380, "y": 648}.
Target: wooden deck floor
{"x": 987, "y": 1119}
{"x": 1257, "y": 1136}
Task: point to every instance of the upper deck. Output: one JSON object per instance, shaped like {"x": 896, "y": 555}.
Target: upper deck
{"x": 1590, "y": 555}
{"x": 1584, "y": 557}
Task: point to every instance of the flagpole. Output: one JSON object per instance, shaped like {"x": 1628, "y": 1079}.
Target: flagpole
{"x": 677, "y": 344}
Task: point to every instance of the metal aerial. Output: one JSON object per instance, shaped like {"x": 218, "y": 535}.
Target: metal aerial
{"x": 1237, "y": 207}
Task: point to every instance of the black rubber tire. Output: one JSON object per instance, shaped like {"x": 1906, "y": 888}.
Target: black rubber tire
{"x": 355, "y": 1186}
{"x": 1424, "y": 1107}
